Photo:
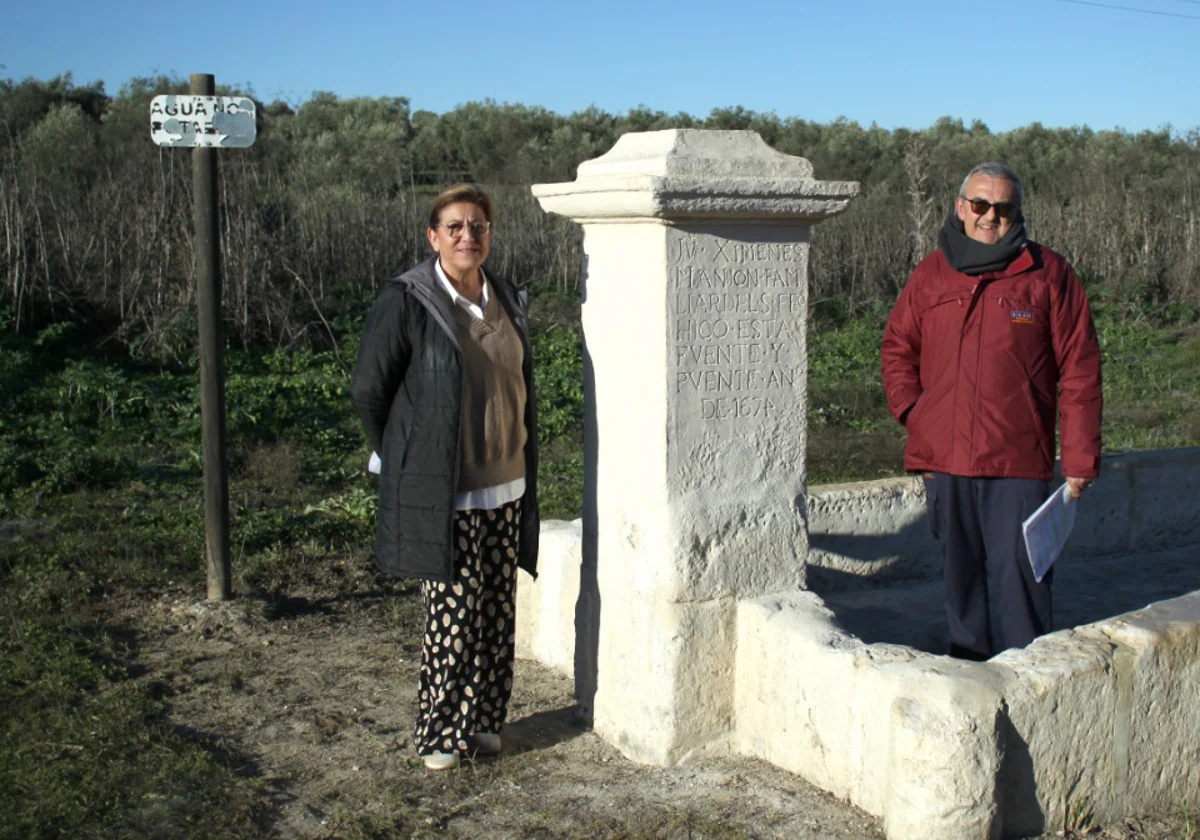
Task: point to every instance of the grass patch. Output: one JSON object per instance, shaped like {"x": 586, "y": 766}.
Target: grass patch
{"x": 1151, "y": 384}
{"x": 101, "y": 494}
{"x": 85, "y": 750}
{"x": 1151, "y": 371}
{"x": 1189, "y": 821}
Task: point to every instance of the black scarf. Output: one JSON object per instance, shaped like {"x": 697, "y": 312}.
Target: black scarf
{"x": 972, "y": 257}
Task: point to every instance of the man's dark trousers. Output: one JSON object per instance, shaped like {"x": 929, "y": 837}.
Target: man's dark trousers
{"x": 978, "y": 523}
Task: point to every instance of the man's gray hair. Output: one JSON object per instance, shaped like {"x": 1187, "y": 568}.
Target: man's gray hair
{"x": 994, "y": 170}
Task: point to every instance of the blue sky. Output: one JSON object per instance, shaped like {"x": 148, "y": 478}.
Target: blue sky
{"x": 893, "y": 63}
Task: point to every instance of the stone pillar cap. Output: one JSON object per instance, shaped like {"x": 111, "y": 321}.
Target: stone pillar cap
{"x": 689, "y": 173}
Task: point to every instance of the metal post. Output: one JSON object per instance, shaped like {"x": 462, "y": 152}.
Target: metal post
{"x": 212, "y": 357}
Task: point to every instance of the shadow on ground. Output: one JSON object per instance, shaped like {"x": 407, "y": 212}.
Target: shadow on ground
{"x": 542, "y": 730}
{"x": 1086, "y": 590}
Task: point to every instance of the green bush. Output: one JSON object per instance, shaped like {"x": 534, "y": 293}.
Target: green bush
{"x": 558, "y": 369}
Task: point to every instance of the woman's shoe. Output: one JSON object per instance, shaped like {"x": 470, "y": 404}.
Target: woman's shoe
{"x": 440, "y": 761}
{"x": 487, "y": 743}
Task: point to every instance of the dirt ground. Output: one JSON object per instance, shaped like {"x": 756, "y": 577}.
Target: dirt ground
{"x": 312, "y": 695}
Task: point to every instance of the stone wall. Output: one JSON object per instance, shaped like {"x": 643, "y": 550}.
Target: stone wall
{"x": 875, "y": 532}
{"x": 1100, "y": 718}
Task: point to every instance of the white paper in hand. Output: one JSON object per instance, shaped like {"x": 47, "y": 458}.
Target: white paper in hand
{"x": 1046, "y": 530}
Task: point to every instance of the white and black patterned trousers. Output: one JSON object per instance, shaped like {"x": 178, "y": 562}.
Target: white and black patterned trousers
{"x": 470, "y": 628}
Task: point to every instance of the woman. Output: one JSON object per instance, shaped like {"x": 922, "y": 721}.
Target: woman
{"x": 444, "y": 387}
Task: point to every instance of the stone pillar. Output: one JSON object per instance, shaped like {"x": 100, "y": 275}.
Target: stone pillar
{"x": 694, "y": 311}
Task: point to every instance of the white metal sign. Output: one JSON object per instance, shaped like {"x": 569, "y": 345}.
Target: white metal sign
{"x": 227, "y": 122}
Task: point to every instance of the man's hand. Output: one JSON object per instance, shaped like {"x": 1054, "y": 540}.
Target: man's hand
{"x": 1077, "y": 486}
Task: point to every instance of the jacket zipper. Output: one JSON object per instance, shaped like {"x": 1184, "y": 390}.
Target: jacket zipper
{"x": 977, "y": 293}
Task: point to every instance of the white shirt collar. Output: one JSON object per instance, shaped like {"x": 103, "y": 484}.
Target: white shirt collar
{"x": 459, "y": 300}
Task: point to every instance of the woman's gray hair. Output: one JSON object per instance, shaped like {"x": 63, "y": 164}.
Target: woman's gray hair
{"x": 994, "y": 170}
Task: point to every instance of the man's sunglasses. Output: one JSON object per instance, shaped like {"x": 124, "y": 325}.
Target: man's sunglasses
{"x": 1004, "y": 209}
{"x": 455, "y": 229}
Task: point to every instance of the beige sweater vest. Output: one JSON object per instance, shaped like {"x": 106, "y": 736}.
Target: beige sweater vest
{"x": 493, "y": 398}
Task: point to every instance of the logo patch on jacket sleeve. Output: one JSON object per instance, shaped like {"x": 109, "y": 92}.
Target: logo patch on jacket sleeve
{"x": 1021, "y": 316}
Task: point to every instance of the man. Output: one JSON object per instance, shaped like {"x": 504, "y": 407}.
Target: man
{"x": 990, "y": 342}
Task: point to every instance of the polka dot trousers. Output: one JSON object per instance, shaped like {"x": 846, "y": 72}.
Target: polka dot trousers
{"x": 467, "y": 652}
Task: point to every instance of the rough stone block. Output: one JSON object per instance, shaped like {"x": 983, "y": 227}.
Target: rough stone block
{"x": 546, "y": 607}
{"x": 1156, "y": 729}
{"x": 790, "y": 655}
{"x": 869, "y": 529}
{"x": 907, "y": 736}
{"x": 944, "y": 760}
{"x": 1164, "y": 485}
{"x": 665, "y": 682}
{"x": 1103, "y": 520}
{"x": 1061, "y": 693}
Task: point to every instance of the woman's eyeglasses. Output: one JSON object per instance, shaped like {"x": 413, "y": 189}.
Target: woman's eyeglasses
{"x": 478, "y": 229}
{"x": 1004, "y": 209}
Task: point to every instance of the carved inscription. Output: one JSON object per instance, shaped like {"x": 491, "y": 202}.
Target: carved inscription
{"x": 737, "y": 308}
